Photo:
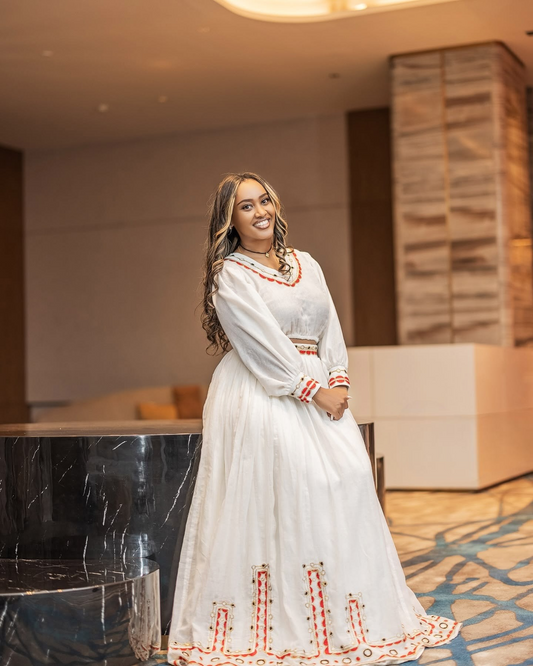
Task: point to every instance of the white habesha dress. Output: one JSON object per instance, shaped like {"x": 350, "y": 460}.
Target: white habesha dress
{"x": 287, "y": 558}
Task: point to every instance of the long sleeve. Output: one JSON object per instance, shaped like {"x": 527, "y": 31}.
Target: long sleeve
{"x": 331, "y": 346}
{"x": 257, "y": 337}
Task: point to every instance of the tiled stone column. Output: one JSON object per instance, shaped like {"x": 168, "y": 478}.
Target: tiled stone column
{"x": 461, "y": 197}
{"x": 529, "y": 95}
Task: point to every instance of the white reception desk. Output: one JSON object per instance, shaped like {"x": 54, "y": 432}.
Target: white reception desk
{"x": 457, "y": 416}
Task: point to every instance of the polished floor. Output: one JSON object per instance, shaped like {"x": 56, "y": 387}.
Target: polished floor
{"x": 470, "y": 556}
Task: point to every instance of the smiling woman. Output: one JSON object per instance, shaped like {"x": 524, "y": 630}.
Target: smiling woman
{"x": 287, "y": 558}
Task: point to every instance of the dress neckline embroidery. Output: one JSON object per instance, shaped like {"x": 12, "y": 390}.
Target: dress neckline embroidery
{"x": 265, "y": 272}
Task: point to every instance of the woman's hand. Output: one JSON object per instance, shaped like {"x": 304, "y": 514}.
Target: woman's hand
{"x": 334, "y": 400}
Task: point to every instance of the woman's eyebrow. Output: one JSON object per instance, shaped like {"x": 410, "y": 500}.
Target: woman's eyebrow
{"x": 259, "y": 197}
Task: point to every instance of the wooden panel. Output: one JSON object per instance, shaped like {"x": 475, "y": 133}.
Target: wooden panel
{"x": 478, "y": 310}
{"x": 371, "y": 227}
{"x": 462, "y": 221}
{"x": 529, "y": 148}
{"x": 12, "y": 335}
{"x": 511, "y": 111}
{"x": 420, "y": 189}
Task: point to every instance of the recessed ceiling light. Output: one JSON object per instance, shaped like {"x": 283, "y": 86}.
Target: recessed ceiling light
{"x": 162, "y": 99}
{"x": 316, "y": 10}
{"x": 48, "y": 53}
{"x": 103, "y": 107}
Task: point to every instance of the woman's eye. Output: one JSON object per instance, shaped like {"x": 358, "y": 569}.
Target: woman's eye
{"x": 248, "y": 206}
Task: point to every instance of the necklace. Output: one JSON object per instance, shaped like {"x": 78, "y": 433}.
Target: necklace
{"x": 267, "y": 253}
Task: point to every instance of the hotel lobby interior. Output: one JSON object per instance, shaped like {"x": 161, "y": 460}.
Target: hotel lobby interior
{"x": 399, "y": 136}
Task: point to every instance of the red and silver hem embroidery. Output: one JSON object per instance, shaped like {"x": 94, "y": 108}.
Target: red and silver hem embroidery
{"x": 324, "y": 646}
{"x": 306, "y": 388}
{"x": 338, "y": 376}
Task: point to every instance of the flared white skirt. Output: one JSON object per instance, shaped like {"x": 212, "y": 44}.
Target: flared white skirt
{"x": 287, "y": 558}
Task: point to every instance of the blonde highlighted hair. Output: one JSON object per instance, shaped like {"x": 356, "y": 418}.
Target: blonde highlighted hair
{"x": 223, "y": 239}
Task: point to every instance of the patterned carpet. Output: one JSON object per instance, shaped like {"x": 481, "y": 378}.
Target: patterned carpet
{"x": 470, "y": 556}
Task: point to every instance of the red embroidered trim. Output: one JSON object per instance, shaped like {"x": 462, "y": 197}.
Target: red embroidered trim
{"x": 308, "y": 351}
{"x": 306, "y": 391}
{"x": 272, "y": 279}
{"x": 437, "y": 631}
{"x": 338, "y": 379}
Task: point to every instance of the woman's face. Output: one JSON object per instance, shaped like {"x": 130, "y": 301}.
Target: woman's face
{"x": 253, "y": 214}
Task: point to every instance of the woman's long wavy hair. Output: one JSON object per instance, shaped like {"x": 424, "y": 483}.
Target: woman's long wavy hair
{"x": 222, "y": 241}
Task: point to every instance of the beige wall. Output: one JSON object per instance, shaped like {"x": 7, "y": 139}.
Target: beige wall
{"x": 114, "y": 237}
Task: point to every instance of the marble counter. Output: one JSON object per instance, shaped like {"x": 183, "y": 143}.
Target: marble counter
{"x": 98, "y": 492}
{"x": 76, "y": 612}
{"x": 104, "y": 428}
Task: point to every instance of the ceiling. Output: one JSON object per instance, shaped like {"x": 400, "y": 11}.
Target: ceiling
{"x": 61, "y": 59}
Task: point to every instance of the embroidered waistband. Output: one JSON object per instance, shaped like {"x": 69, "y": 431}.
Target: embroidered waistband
{"x": 306, "y": 349}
